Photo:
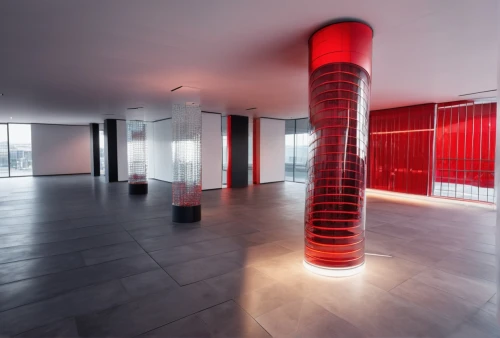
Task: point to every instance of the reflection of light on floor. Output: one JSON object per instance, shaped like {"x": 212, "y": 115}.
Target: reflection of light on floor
{"x": 378, "y": 255}
{"x": 423, "y": 200}
{"x": 334, "y": 272}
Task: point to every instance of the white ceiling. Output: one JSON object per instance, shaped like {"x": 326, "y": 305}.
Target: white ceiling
{"x": 72, "y": 61}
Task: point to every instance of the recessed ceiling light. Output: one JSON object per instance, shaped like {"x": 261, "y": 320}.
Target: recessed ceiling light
{"x": 11, "y": 117}
{"x": 134, "y": 108}
{"x": 1, "y": 94}
{"x": 251, "y": 108}
{"x": 173, "y": 90}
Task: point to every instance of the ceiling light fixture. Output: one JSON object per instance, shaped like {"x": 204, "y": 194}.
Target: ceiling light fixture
{"x": 253, "y": 108}
{"x": 134, "y": 108}
{"x": 173, "y": 90}
{"x": 484, "y": 91}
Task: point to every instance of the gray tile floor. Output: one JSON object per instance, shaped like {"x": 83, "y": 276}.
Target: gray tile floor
{"x": 79, "y": 257}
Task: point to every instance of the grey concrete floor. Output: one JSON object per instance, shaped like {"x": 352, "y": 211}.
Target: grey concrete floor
{"x": 79, "y": 257}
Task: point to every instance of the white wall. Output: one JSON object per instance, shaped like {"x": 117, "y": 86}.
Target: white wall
{"x": 162, "y": 157}
{"x": 272, "y": 150}
{"x": 150, "y": 143}
{"x": 211, "y": 151}
{"x": 60, "y": 149}
{"x": 121, "y": 141}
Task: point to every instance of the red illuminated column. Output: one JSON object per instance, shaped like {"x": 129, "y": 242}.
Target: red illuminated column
{"x": 339, "y": 93}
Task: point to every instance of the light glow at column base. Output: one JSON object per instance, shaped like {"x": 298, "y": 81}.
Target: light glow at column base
{"x": 339, "y": 272}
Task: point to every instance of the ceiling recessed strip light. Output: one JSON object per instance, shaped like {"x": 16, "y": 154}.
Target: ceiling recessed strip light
{"x": 485, "y": 91}
{"x": 173, "y": 90}
{"x": 251, "y": 108}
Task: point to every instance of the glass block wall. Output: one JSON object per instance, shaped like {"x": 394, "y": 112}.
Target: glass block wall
{"x": 186, "y": 152}
{"x": 137, "y": 152}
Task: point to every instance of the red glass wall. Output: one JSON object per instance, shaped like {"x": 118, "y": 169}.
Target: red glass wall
{"x": 400, "y": 151}
{"x": 339, "y": 91}
{"x": 465, "y": 151}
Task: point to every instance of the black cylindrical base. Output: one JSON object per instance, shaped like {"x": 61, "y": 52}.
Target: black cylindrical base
{"x": 138, "y": 189}
{"x": 186, "y": 214}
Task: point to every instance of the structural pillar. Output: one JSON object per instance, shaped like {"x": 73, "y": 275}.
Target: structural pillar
{"x": 95, "y": 163}
{"x": 237, "y": 151}
{"x": 339, "y": 92}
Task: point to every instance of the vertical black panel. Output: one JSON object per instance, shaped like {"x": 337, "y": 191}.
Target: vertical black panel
{"x": 239, "y": 151}
{"x": 111, "y": 150}
{"x": 94, "y": 150}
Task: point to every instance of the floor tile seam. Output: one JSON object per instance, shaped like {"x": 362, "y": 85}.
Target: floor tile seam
{"x": 72, "y": 269}
{"x": 420, "y": 231}
{"x": 445, "y": 291}
{"x": 158, "y": 235}
{"x": 192, "y": 314}
{"x": 108, "y": 213}
{"x": 430, "y": 309}
{"x": 149, "y": 254}
{"x": 191, "y": 260}
{"x": 52, "y": 322}
{"x": 390, "y": 236}
{"x": 58, "y": 294}
{"x": 61, "y": 240}
{"x": 339, "y": 316}
{"x": 175, "y": 245}
{"x": 69, "y": 252}
{"x": 254, "y": 318}
{"x": 442, "y": 269}
{"x": 49, "y": 231}
{"x": 469, "y": 260}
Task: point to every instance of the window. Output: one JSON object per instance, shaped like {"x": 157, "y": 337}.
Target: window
{"x": 4, "y": 151}
{"x": 20, "y": 150}
{"x": 224, "y": 151}
{"x": 301, "y": 150}
{"x": 289, "y": 149}
{"x": 296, "y": 150}
{"x": 101, "y": 153}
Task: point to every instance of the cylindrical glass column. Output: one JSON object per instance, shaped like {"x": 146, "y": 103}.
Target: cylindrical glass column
{"x": 339, "y": 92}
{"x": 137, "y": 157}
{"x": 186, "y": 152}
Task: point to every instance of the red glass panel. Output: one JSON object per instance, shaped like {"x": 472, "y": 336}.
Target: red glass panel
{"x": 400, "y": 149}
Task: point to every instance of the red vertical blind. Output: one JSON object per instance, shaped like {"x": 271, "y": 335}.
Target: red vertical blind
{"x": 400, "y": 149}
{"x": 465, "y": 151}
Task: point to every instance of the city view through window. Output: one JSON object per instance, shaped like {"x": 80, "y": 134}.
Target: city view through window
{"x": 15, "y": 150}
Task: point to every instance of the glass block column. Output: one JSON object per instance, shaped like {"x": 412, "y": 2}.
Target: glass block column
{"x": 339, "y": 92}
{"x": 186, "y": 152}
{"x": 137, "y": 157}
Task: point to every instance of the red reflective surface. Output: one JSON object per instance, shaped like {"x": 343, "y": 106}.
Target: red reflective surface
{"x": 334, "y": 219}
{"x": 349, "y": 42}
{"x": 256, "y": 151}
{"x": 339, "y": 93}
{"x": 400, "y": 151}
{"x": 465, "y": 146}
{"x": 229, "y": 178}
